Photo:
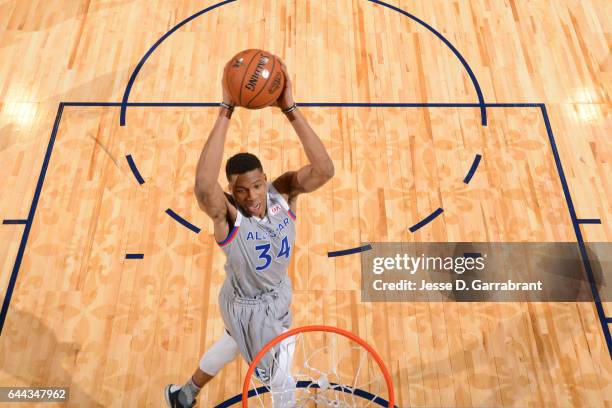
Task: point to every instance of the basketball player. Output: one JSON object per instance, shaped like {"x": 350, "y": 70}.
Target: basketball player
{"x": 255, "y": 227}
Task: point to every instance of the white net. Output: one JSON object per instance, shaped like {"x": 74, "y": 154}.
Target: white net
{"x": 319, "y": 369}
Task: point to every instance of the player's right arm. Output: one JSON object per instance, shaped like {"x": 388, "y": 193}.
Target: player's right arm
{"x": 210, "y": 195}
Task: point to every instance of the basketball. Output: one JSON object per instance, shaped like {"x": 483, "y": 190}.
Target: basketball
{"x": 254, "y": 78}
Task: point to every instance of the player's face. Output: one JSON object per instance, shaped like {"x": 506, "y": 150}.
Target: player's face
{"x": 250, "y": 191}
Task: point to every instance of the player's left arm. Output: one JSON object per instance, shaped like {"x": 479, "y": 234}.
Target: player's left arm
{"x": 312, "y": 176}
{"x": 321, "y": 167}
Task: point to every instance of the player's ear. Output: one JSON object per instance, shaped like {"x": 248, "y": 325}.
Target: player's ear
{"x": 230, "y": 184}
{"x": 265, "y": 177}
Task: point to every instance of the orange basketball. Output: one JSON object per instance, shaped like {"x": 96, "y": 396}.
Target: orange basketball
{"x": 254, "y": 78}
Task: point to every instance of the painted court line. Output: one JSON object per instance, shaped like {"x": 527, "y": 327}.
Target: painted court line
{"x": 367, "y": 397}
{"x": 349, "y": 251}
{"x": 14, "y": 222}
{"x": 588, "y": 221}
{"x": 134, "y": 256}
{"x": 426, "y": 220}
{"x": 134, "y": 169}
{"x": 26, "y": 232}
{"x": 315, "y": 104}
{"x": 182, "y": 221}
{"x": 481, "y": 102}
{"x": 572, "y": 211}
{"x": 470, "y": 174}
{"x": 575, "y": 221}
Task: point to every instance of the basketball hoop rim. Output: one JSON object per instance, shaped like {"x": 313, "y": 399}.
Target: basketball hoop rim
{"x": 306, "y": 329}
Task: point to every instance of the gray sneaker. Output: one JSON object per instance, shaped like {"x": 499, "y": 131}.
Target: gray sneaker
{"x": 171, "y": 393}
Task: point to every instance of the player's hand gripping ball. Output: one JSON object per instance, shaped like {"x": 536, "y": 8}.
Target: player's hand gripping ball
{"x": 253, "y": 79}
{"x": 285, "y": 100}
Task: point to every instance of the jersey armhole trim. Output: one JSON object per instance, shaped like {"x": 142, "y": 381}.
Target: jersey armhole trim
{"x": 229, "y": 238}
{"x": 234, "y": 230}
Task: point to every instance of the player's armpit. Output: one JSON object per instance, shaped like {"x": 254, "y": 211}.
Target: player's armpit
{"x": 215, "y": 204}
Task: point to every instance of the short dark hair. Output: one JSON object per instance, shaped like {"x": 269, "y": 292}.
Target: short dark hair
{"x": 242, "y": 163}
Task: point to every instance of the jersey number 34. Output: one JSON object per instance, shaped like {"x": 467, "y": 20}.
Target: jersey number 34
{"x": 264, "y": 255}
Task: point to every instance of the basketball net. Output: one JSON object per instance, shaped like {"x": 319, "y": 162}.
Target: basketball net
{"x": 318, "y": 366}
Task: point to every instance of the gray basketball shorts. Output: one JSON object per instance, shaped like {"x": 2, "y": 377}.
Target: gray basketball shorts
{"x": 253, "y": 322}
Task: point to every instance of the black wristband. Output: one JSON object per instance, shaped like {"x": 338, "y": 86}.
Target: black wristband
{"x": 229, "y": 109}
{"x": 290, "y": 109}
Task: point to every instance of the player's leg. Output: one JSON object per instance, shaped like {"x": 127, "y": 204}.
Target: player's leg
{"x": 282, "y": 385}
{"x": 200, "y": 378}
{"x": 218, "y": 356}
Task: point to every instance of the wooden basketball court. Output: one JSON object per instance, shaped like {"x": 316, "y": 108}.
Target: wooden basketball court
{"x": 403, "y": 121}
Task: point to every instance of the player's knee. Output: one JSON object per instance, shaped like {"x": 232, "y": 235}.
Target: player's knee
{"x": 212, "y": 363}
{"x": 219, "y": 355}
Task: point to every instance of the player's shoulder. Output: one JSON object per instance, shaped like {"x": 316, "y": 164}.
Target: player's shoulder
{"x": 275, "y": 190}
{"x": 281, "y": 195}
{"x": 283, "y": 184}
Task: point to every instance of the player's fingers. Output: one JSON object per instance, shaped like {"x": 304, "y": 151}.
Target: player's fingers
{"x": 287, "y": 77}
{"x": 282, "y": 63}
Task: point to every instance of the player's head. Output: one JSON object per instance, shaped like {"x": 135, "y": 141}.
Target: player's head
{"x": 247, "y": 183}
